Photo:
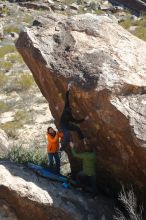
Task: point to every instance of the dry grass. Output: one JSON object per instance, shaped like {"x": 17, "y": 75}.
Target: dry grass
{"x": 22, "y": 155}
{"x": 129, "y": 202}
{"x": 7, "y": 49}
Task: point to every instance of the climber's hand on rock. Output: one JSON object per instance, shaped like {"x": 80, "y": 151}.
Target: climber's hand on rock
{"x": 69, "y": 86}
{"x": 87, "y": 118}
{"x": 71, "y": 144}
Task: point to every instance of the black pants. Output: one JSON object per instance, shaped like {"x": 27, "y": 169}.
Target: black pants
{"x": 54, "y": 162}
{"x": 66, "y": 131}
{"x": 88, "y": 181}
{"x": 73, "y": 127}
{"x": 67, "y": 124}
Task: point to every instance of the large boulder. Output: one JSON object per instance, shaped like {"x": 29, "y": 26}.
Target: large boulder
{"x": 107, "y": 65}
{"x": 32, "y": 197}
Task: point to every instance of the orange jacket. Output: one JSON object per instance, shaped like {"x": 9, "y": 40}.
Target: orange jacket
{"x": 53, "y": 142}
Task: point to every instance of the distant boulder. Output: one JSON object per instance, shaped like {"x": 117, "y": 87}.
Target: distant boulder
{"x": 136, "y": 5}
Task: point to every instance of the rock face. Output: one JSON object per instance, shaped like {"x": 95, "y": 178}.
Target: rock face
{"x": 32, "y": 197}
{"x": 35, "y": 6}
{"x": 108, "y": 68}
{"x": 136, "y": 5}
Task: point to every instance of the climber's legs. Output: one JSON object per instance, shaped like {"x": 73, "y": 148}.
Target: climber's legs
{"x": 66, "y": 138}
{"x": 56, "y": 165}
{"x": 73, "y": 127}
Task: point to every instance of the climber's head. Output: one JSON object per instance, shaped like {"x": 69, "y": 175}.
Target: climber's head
{"x": 51, "y": 131}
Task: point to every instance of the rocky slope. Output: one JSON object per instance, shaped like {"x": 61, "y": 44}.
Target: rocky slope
{"x": 24, "y": 116}
{"x": 107, "y": 66}
{"x": 22, "y": 190}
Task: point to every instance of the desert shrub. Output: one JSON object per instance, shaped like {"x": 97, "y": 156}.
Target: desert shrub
{"x": 11, "y": 28}
{"x": 25, "y": 81}
{"x": 3, "y": 80}
{"x": 20, "y": 115}
{"x": 140, "y": 32}
{"x": 141, "y": 22}
{"x": 129, "y": 202}
{"x": 15, "y": 58}
{"x": 6, "y": 49}
{"x": 5, "y": 65}
{"x": 3, "y": 107}
{"x": 19, "y": 120}
{"x": 11, "y": 128}
{"x": 126, "y": 24}
{"x": 5, "y": 10}
{"x": 99, "y": 12}
{"x": 27, "y": 19}
{"x": 128, "y": 11}
{"x": 23, "y": 155}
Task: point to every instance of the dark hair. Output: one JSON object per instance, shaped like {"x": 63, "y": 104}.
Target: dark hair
{"x": 48, "y": 129}
{"x": 52, "y": 134}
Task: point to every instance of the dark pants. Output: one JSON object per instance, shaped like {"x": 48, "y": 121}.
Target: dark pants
{"x": 73, "y": 127}
{"x": 92, "y": 183}
{"x": 54, "y": 162}
{"x": 66, "y": 124}
{"x": 88, "y": 181}
{"x": 66, "y": 131}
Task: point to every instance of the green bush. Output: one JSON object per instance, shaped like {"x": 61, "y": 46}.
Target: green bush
{"x": 23, "y": 155}
{"x": 27, "y": 19}
{"x": 19, "y": 120}
{"x": 7, "y": 49}
{"x": 15, "y": 57}
{"x": 99, "y": 12}
{"x": 140, "y": 32}
{"x": 5, "y": 10}
{"x": 126, "y": 24}
{"x": 141, "y": 22}
{"x": 11, "y": 128}
{"x": 11, "y": 28}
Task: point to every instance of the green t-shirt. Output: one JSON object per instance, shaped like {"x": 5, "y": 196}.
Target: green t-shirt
{"x": 88, "y": 162}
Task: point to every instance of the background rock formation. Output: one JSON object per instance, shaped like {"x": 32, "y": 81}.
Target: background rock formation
{"x": 108, "y": 68}
{"x": 136, "y": 5}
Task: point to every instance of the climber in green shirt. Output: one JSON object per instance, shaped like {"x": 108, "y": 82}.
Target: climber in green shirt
{"x": 88, "y": 158}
